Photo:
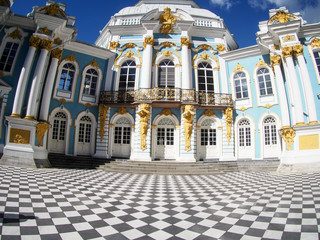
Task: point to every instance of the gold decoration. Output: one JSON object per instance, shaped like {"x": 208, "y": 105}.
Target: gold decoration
{"x": 19, "y": 136}
{"x": 315, "y": 43}
{"x": 228, "y": 119}
{"x": 15, "y": 34}
{"x": 298, "y": 50}
{"x": 40, "y": 131}
{"x": 129, "y": 54}
{"x": 288, "y": 136}
{"x": 34, "y": 41}
{"x": 57, "y": 53}
{"x": 167, "y": 44}
{"x": 167, "y": 53}
{"x": 62, "y": 100}
{"x": 114, "y": 45}
{"x": 144, "y": 113}
{"x": 205, "y": 56}
{"x": 167, "y": 20}
{"x": 209, "y": 113}
{"x": 221, "y": 48}
{"x": 130, "y": 45}
{"x": 88, "y": 105}
{"x": 185, "y": 42}
{"x": 281, "y": 17}
{"x": 205, "y": 47}
{"x": 309, "y": 142}
{"x": 267, "y": 105}
{"x": 122, "y": 111}
{"x": 70, "y": 58}
{"x": 46, "y": 44}
{"x": 242, "y": 109}
{"x": 287, "y": 52}
{"x": 15, "y": 115}
{"x": 188, "y": 114}
{"x": 166, "y": 112}
{"x": 238, "y": 68}
{"x": 103, "y": 110}
{"x": 148, "y": 41}
{"x": 57, "y": 41}
{"x": 275, "y": 60}
{"x": 53, "y": 10}
{"x": 261, "y": 63}
{"x": 45, "y": 31}
{"x": 94, "y": 63}
{"x": 276, "y": 47}
{"x": 289, "y": 38}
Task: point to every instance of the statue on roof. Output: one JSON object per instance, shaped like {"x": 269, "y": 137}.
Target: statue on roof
{"x": 167, "y": 20}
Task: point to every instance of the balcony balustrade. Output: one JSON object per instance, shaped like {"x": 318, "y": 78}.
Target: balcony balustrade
{"x": 166, "y": 95}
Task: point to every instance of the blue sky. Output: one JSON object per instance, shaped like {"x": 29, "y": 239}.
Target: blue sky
{"x": 240, "y": 16}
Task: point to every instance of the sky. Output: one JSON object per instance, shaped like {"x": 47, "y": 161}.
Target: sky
{"x": 240, "y": 16}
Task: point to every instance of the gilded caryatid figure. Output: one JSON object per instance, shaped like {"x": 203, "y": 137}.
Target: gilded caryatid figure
{"x": 167, "y": 20}
{"x": 188, "y": 114}
{"x": 103, "y": 110}
{"x": 144, "y": 113}
{"x": 41, "y": 130}
{"x": 288, "y": 136}
{"x": 228, "y": 119}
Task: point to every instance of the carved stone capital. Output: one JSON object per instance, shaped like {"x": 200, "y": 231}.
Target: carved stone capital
{"x": 114, "y": 45}
{"x": 34, "y": 41}
{"x": 148, "y": 41}
{"x": 46, "y": 44}
{"x": 57, "y": 53}
{"x": 275, "y": 60}
{"x": 298, "y": 50}
{"x": 221, "y": 48}
{"x": 185, "y": 42}
{"x": 287, "y": 52}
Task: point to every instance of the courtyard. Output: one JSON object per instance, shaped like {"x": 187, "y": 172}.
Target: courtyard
{"x": 95, "y": 204}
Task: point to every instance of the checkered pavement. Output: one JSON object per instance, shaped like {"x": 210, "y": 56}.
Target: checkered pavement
{"x": 93, "y": 204}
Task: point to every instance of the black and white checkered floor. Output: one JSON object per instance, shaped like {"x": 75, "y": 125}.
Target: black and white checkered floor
{"x": 90, "y": 204}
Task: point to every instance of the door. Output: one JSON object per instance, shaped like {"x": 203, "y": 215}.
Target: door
{"x": 165, "y": 143}
{"x": 208, "y": 140}
{"x": 57, "y": 142}
{"x": 270, "y": 139}
{"x": 245, "y": 148}
{"x": 122, "y": 139}
{"x": 84, "y": 136}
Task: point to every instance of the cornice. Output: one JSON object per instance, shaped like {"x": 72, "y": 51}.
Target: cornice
{"x": 242, "y": 53}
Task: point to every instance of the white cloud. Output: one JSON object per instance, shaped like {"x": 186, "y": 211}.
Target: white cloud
{"x": 309, "y": 8}
{"x": 222, "y": 3}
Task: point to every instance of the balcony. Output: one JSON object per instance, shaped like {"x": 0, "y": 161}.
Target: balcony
{"x": 175, "y": 96}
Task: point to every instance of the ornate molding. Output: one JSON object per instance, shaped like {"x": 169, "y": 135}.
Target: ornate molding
{"x": 144, "y": 113}
{"x": 167, "y": 53}
{"x": 53, "y": 10}
{"x": 221, "y": 48}
{"x": 281, "y": 17}
{"x": 238, "y": 68}
{"x": 166, "y": 112}
{"x": 19, "y": 136}
{"x": 167, "y": 44}
{"x": 122, "y": 111}
{"x": 289, "y": 38}
{"x": 315, "y": 43}
{"x": 185, "y": 42}
{"x": 57, "y": 53}
{"x": 129, "y": 54}
{"x": 40, "y": 131}
{"x": 167, "y": 20}
{"x": 46, "y": 44}
{"x": 188, "y": 114}
{"x": 275, "y": 60}
{"x": 148, "y": 41}
{"x": 261, "y": 63}
{"x": 205, "y": 56}
{"x": 15, "y": 34}
{"x": 114, "y": 45}
{"x": 228, "y": 118}
{"x": 34, "y": 41}
{"x": 103, "y": 110}
{"x": 209, "y": 113}
{"x": 298, "y": 50}
{"x": 71, "y": 58}
{"x": 288, "y": 136}
{"x": 57, "y": 41}
{"x": 287, "y": 52}
{"x": 94, "y": 63}
{"x": 45, "y": 31}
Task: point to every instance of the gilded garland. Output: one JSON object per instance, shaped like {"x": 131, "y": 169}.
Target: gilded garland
{"x": 228, "y": 119}
{"x": 144, "y": 113}
{"x": 103, "y": 110}
{"x": 188, "y": 114}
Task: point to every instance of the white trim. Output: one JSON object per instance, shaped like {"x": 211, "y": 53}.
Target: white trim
{"x": 177, "y": 69}
{"x": 215, "y": 73}
{"x": 120, "y": 62}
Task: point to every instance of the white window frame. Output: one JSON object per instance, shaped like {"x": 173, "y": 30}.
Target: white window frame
{"x": 252, "y": 133}
{"x": 312, "y": 50}
{"x": 215, "y": 71}
{"x": 128, "y": 74}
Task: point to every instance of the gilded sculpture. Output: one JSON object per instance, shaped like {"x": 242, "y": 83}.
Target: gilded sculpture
{"x": 40, "y": 131}
{"x": 315, "y": 43}
{"x": 34, "y": 41}
{"x": 15, "y": 34}
{"x": 19, "y": 136}
{"x": 129, "y": 54}
{"x": 275, "y": 60}
{"x": 221, "y": 48}
{"x": 228, "y": 119}
{"x": 298, "y": 50}
{"x": 281, "y": 17}
{"x": 167, "y": 20}
{"x": 188, "y": 114}
{"x": 103, "y": 110}
{"x": 46, "y": 44}
{"x": 114, "y": 45}
{"x": 57, "y": 53}
{"x": 166, "y": 112}
{"x": 287, "y": 52}
{"x": 144, "y": 113}
{"x": 288, "y": 136}
{"x": 209, "y": 113}
{"x": 185, "y": 42}
{"x": 261, "y": 63}
{"x": 45, "y": 31}
{"x": 94, "y": 63}
{"x": 148, "y": 41}
{"x": 53, "y": 10}
{"x": 122, "y": 111}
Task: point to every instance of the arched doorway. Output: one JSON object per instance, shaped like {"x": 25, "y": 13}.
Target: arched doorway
{"x": 208, "y": 140}
{"x": 270, "y": 138}
{"x": 57, "y": 136}
{"x": 84, "y": 136}
{"x": 121, "y": 138}
{"x": 245, "y": 139}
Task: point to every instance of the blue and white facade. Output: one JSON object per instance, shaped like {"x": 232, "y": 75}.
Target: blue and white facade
{"x": 164, "y": 81}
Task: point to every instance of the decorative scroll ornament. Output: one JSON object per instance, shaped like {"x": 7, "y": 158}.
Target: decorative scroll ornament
{"x": 238, "y": 68}
{"x": 188, "y": 114}
{"x": 221, "y": 48}
{"x": 46, "y": 44}
{"x": 288, "y": 136}
{"x": 167, "y": 44}
{"x": 15, "y": 34}
{"x": 94, "y": 63}
{"x": 261, "y": 63}
{"x": 228, "y": 119}
{"x": 315, "y": 43}
{"x": 205, "y": 56}
{"x": 40, "y": 131}
{"x": 166, "y": 112}
{"x": 148, "y": 41}
{"x": 167, "y": 20}
{"x": 298, "y": 50}
{"x": 129, "y": 54}
{"x": 88, "y": 105}
{"x": 103, "y": 110}
{"x": 167, "y": 53}
{"x": 114, "y": 45}
{"x": 57, "y": 41}
{"x": 57, "y": 53}
{"x": 185, "y": 42}
{"x": 122, "y": 111}
{"x": 53, "y": 10}
{"x": 144, "y": 114}
{"x": 289, "y": 38}
{"x": 281, "y": 17}
{"x": 209, "y": 113}
{"x": 45, "y": 31}
{"x": 62, "y": 100}
{"x": 70, "y": 58}
{"x": 275, "y": 60}
{"x": 287, "y": 52}
{"x": 34, "y": 41}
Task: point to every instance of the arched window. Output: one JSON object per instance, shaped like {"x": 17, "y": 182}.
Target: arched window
{"x": 127, "y": 76}
{"x": 59, "y": 126}
{"x": 67, "y": 77}
{"x": 241, "y": 85}
{"x": 270, "y": 131}
{"x": 84, "y": 130}
{"x": 264, "y": 80}
{"x": 8, "y": 56}
{"x": 205, "y": 77}
{"x": 90, "y": 82}
{"x": 244, "y": 133}
{"x": 166, "y": 76}
{"x": 316, "y": 55}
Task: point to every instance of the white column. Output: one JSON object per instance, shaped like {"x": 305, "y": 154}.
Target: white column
{"x": 46, "y": 97}
{"x": 23, "y": 79}
{"x": 186, "y": 64}
{"x": 147, "y": 63}
{"x": 276, "y": 61}
{"x": 311, "y": 106}
{"x": 36, "y": 81}
{"x": 297, "y": 101}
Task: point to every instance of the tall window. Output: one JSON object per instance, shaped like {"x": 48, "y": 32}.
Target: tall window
{"x": 264, "y": 80}
{"x": 90, "y": 82}
{"x": 8, "y": 56}
{"x": 166, "y": 74}
{"x": 59, "y": 126}
{"x": 244, "y": 133}
{"x": 67, "y": 77}
{"x": 270, "y": 131}
{"x": 84, "y": 130}
{"x": 317, "y": 58}
{"x": 127, "y": 76}
{"x": 241, "y": 86}
{"x": 205, "y": 77}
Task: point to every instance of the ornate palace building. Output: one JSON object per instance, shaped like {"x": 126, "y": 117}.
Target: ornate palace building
{"x": 165, "y": 80}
